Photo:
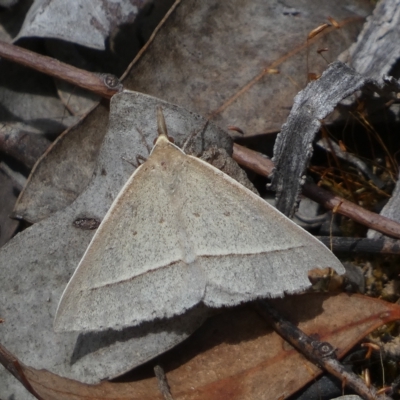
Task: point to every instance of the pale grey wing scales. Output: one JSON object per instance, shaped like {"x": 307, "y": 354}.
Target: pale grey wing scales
{"x": 247, "y": 277}
{"x": 180, "y": 232}
{"x": 246, "y": 248}
{"x": 132, "y": 270}
{"x": 163, "y": 293}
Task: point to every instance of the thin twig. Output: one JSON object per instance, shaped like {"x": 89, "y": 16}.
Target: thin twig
{"x": 163, "y": 383}
{"x": 105, "y": 85}
{"x": 361, "y": 245}
{"x": 272, "y": 67}
{"x": 263, "y": 166}
{"x": 320, "y": 353}
{"x": 351, "y": 210}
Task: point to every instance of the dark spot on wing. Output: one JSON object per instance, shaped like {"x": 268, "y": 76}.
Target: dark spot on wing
{"x": 87, "y": 224}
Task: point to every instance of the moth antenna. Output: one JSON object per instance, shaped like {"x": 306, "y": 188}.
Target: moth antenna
{"x": 161, "y": 126}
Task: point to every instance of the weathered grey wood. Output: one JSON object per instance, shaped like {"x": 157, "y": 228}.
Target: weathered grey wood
{"x": 377, "y": 47}
{"x": 293, "y": 145}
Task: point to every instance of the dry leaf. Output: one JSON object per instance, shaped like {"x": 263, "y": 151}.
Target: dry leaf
{"x": 11, "y": 19}
{"x": 85, "y": 23}
{"x": 234, "y": 355}
{"x": 29, "y": 96}
{"x": 207, "y": 54}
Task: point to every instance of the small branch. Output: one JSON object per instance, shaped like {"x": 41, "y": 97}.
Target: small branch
{"x": 351, "y": 210}
{"x": 319, "y": 353}
{"x": 253, "y": 160}
{"x": 105, "y": 85}
{"x": 163, "y": 383}
{"x": 361, "y": 245}
{"x": 263, "y": 166}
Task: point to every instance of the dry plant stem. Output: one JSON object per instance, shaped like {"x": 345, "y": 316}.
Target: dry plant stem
{"x": 263, "y": 166}
{"x": 12, "y": 364}
{"x": 163, "y": 383}
{"x": 253, "y": 160}
{"x": 319, "y": 353}
{"x": 361, "y": 245}
{"x": 105, "y": 85}
{"x": 351, "y": 210}
{"x": 274, "y": 65}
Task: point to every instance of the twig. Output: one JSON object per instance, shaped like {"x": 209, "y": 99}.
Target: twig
{"x": 271, "y": 68}
{"x": 163, "y": 383}
{"x": 361, "y": 245}
{"x": 351, "y": 210}
{"x": 258, "y": 163}
{"x": 320, "y": 353}
{"x": 105, "y": 85}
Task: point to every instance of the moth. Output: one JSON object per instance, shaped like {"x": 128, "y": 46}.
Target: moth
{"x": 181, "y": 232}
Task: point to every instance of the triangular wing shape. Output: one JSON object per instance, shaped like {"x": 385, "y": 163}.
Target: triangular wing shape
{"x": 244, "y": 246}
{"x": 181, "y": 232}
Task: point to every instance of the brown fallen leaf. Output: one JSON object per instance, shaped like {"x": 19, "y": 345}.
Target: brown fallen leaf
{"x": 216, "y": 60}
{"x": 87, "y": 24}
{"x": 234, "y": 355}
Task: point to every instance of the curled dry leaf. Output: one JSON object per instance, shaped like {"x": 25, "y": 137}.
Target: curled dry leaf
{"x": 235, "y": 355}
